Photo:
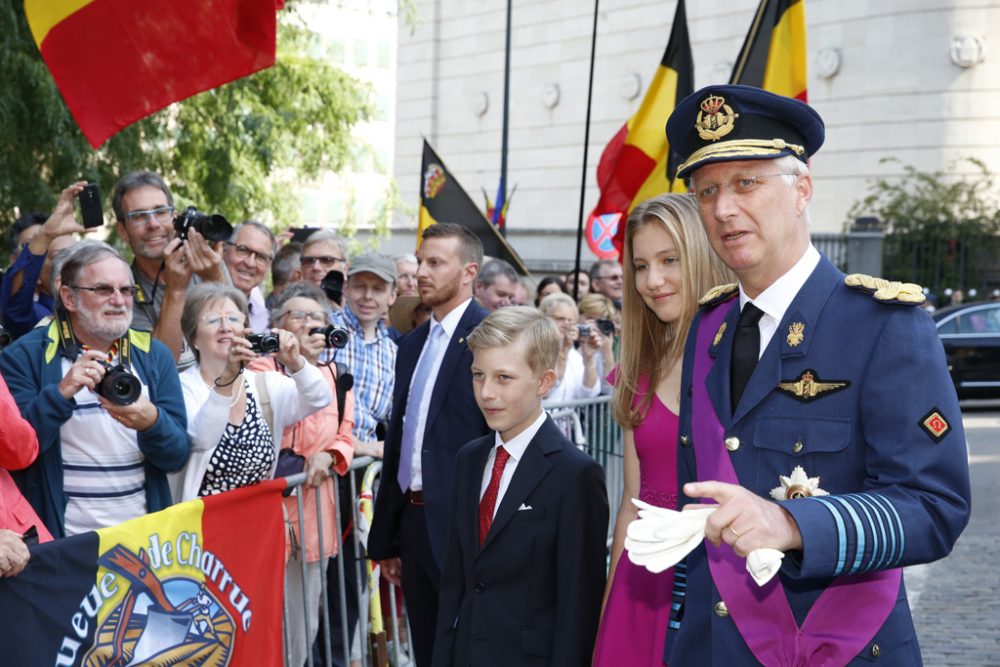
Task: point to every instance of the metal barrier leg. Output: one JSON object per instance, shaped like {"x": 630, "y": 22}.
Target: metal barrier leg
{"x": 324, "y": 601}
{"x": 340, "y": 574}
{"x": 359, "y": 579}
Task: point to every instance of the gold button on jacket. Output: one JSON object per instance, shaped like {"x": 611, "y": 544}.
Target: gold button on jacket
{"x": 720, "y": 610}
{"x": 732, "y": 444}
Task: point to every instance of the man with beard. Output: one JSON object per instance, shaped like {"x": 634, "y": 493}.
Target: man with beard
{"x": 101, "y": 463}
{"x": 164, "y": 267}
{"x": 434, "y": 414}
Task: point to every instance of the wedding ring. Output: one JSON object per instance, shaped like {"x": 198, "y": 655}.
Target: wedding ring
{"x": 733, "y": 531}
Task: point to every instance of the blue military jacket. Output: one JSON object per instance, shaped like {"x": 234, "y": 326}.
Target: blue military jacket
{"x": 856, "y": 392}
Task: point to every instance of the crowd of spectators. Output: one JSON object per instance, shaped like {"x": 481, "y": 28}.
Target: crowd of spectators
{"x": 235, "y": 382}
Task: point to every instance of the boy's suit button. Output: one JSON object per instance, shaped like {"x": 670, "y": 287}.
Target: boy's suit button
{"x": 479, "y": 587}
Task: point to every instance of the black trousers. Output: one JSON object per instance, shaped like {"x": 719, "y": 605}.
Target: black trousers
{"x": 421, "y": 583}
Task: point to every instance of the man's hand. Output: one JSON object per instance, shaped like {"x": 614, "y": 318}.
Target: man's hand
{"x": 374, "y": 448}
{"x": 139, "y": 416}
{"x": 392, "y": 571}
{"x": 61, "y": 222}
{"x": 87, "y": 372}
{"x": 288, "y": 354}
{"x": 176, "y": 269}
{"x": 204, "y": 260}
{"x": 744, "y": 520}
{"x": 13, "y": 553}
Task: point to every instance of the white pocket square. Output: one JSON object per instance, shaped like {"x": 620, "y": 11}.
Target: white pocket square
{"x": 524, "y": 507}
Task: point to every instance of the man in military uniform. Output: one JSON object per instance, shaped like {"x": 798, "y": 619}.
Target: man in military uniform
{"x": 819, "y": 416}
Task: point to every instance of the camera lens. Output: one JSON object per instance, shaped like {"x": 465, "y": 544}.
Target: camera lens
{"x": 335, "y": 336}
{"x": 263, "y": 343}
{"x": 119, "y": 386}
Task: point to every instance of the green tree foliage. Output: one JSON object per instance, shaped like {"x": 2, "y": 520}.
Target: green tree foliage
{"x": 240, "y": 149}
{"x": 942, "y": 228}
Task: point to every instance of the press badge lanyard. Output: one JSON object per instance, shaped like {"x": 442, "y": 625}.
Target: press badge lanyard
{"x": 71, "y": 347}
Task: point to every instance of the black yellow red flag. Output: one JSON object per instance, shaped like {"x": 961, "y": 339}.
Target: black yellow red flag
{"x": 442, "y": 199}
{"x": 773, "y": 56}
{"x": 116, "y": 61}
{"x": 636, "y": 164}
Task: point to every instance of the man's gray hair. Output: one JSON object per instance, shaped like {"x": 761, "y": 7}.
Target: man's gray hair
{"x": 329, "y": 236}
{"x": 133, "y": 180}
{"x": 78, "y": 256}
{"x": 260, "y": 226}
{"x": 305, "y": 290}
{"x": 493, "y": 269}
{"x": 408, "y": 257}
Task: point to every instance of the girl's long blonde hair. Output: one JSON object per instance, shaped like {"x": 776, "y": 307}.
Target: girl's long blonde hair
{"x": 650, "y": 347}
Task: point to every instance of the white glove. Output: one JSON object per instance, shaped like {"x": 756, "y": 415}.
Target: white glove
{"x": 661, "y": 538}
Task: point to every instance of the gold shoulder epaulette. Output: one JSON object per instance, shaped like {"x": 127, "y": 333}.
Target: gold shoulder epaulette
{"x": 718, "y": 294}
{"x": 887, "y": 291}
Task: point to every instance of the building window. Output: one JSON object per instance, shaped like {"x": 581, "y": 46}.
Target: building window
{"x": 360, "y": 52}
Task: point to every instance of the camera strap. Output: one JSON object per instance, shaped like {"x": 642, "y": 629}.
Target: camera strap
{"x": 71, "y": 348}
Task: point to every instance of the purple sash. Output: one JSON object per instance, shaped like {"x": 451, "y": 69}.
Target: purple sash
{"x": 845, "y": 616}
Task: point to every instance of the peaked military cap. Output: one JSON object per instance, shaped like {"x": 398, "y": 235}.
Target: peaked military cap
{"x": 732, "y": 122}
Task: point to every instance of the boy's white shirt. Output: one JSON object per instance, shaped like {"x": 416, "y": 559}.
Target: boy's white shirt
{"x": 515, "y": 448}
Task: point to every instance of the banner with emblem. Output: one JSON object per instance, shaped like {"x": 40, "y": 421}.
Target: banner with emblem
{"x": 637, "y": 164}
{"x": 442, "y": 199}
{"x": 199, "y": 584}
{"x": 773, "y": 56}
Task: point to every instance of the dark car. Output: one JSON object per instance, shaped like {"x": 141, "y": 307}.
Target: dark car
{"x": 970, "y": 333}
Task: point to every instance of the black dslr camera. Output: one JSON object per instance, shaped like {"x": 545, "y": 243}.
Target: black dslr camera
{"x": 262, "y": 343}
{"x": 335, "y": 336}
{"x": 213, "y": 227}
{"x": 119, "y": 385}
{"x": 333, "y": 286}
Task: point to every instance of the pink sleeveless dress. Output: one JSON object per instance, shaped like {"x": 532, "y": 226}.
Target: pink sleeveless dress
{"x": 638, "y": 609}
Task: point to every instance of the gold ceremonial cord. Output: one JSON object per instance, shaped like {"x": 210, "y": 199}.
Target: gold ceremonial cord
{"x": 741, "y": 148}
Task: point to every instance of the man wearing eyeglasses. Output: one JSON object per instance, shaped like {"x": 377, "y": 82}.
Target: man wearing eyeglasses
{"x": 323, "y": 251}
{"x": 606, "y": 278}
{"x": 164, "y": 268}
{"x": 248, "y": 255}
{"x": 100, "y": 462}
{"x": 817, "y": 416}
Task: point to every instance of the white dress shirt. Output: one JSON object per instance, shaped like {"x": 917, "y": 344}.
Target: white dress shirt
{"x": 515, "y": 448}
{"x": 776, "y": 299}
{"x": 449, "y": 324}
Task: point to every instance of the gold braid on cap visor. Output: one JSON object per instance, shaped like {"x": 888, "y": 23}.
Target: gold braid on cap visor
{"x": 740, "y": 148}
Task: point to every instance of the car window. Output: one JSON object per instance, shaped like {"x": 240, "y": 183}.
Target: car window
{"x": 983, "y": 321}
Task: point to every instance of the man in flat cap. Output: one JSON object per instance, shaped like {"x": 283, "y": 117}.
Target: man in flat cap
{"x": 819, "y": 416}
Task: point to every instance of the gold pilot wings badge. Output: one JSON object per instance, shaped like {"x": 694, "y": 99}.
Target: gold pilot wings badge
{"x": 808, "y": 386}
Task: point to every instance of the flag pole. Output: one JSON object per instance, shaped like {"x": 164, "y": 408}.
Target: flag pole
{"x": 586, "y": 145}
{"x": 506, "y": 125}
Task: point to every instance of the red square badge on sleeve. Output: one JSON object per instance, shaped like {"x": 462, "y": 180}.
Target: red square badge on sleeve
{"x": 936, "y": 425}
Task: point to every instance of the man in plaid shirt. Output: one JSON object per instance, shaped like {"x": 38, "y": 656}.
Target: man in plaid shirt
{"x": 370, "y": 355}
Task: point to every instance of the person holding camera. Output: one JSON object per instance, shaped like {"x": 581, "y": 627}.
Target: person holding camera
{"x": 164, "y": 267}
{"x": 316, "y": 445}
{"x": 576, "y": 369}
{"x": 236, "y": 416}
{"x": 103, "y": 398}
{"x": 598, "y": 314}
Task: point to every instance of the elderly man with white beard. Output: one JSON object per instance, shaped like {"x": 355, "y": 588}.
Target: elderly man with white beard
{"x": 104, "y": 446}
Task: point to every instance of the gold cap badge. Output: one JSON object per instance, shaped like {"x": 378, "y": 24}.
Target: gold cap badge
{"x": 716, "y": 118}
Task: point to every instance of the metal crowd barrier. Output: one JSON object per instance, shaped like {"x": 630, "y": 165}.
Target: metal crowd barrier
{"x": 587, "y": 423}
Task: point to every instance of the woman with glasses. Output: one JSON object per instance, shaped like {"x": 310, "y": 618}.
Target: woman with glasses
{"x": 668, "y": 266}
{"x": 234, "y": 441}
{"x": 322, "y": 441}
{"x": 576, "y": 369}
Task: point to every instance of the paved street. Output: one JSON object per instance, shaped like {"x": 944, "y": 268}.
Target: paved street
{"x": 956, "y": 601}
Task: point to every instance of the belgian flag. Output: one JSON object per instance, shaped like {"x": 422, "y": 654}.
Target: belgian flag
{"x": 117, "y": 61}
{"x": 200, "y": 583}
{"x": 442, "y": 199}
{"x": 637, "y": 163}
{"x": 773, "y": 56}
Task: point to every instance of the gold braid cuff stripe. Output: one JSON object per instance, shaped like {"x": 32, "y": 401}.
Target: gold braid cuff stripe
{"x": 741, "y": 148}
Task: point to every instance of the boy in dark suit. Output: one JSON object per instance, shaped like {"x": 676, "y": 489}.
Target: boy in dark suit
{"x": 524, "y": 563}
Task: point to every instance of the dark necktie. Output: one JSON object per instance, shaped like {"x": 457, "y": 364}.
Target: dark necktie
{"x": 746, "y": 350}
{"x": 489, "y": 501}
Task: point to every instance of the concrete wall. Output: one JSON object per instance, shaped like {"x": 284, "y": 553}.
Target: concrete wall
{"x": 897, "y": 94}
